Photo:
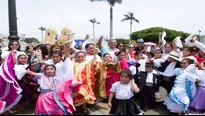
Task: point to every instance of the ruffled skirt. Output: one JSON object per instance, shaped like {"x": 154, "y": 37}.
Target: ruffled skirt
{"x": 125, "y": 107}
{"x": 198, "y": 104}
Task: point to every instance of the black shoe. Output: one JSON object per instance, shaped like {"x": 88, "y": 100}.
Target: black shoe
{"x": 144, "y": 109}
{"x": 87, "y": 112}
{"x": 155, "y": 109}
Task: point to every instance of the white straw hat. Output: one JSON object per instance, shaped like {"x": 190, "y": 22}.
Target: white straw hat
{"x": 161, "y": 95}
{"x": 174, "y": 55}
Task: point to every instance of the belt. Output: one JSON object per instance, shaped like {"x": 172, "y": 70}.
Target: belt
{"x": 149, "y": 84}
{"x": 45, "y": 90}
{"x": 166, "y": 78}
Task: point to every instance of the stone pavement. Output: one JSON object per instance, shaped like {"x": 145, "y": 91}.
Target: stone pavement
{"x": 100, "y": 108}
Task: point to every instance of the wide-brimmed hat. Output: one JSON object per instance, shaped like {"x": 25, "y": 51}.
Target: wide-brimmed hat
{"x": 161, "y": 95}
{"x": 174, "y": 55}
{"x": 191, "y": 58}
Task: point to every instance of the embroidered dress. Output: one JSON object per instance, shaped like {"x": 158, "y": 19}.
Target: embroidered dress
{"x": 55, "y": 98}
{"x": 84, "y": 72}
{"x": 123, "y": 102}
{"x": 182, "y": 92}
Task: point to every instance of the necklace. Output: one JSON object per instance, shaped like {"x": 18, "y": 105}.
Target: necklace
{"x": 51, "y": 83}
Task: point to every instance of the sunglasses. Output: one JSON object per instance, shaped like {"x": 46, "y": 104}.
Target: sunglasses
{"x": 131, "y": 47}
{"x": 14, "y": 44}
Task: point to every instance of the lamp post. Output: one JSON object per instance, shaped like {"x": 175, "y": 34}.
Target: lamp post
{"x": 94, "y": 21}
{"x": 199, "y": 35}
{"x": 13, "y": 32}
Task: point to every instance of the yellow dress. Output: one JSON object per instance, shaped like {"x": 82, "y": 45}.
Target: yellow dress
{"x": 84, "y": 72}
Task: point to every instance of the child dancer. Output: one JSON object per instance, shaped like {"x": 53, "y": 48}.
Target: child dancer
{"x": 184, "y": 88}
{"x": 121, "y": 99}
{"x": 148, "y": 84}
{"x": 157, "y": 59}
{"x": 50, "y": 101}
{"x": 197, "y": 106}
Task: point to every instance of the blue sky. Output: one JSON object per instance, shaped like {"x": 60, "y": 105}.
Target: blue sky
{"x": 182, "y": 15}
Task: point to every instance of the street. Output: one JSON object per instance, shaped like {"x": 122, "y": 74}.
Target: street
{"x": 100, "y": 108}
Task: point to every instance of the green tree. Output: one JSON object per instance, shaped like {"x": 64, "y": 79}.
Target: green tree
{"x": 111, "y": 3}
{"x": 123, "y": 40}
{"x": 151, "y": 34}
{"x": 131, "y": 18}
{"x": 30, "y": 40}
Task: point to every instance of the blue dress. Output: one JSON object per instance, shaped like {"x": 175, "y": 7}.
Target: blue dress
{"x": 182, "y": 92}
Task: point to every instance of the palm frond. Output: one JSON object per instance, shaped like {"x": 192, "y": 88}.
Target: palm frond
{"x": 125, "y": 19}
{"x": 131, "y": 14}
{"x": 136, "y": 20}
{"x": 112, "y": 2}
{"x": 42, "y": 28}
{"x": 126, "y": 16}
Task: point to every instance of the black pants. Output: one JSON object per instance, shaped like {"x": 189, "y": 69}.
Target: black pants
{"x": 149, "y": 93}
{"x": 168, "y": 84}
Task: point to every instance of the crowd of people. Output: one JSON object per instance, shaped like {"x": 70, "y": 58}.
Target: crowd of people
{"x": 61, "y": 79}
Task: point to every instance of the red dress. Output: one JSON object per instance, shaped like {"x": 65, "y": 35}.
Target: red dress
{"x": 113, "y": 77}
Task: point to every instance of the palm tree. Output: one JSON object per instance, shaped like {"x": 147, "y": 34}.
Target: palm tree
{"x": 94, "y": 21}
{"x": 130, "y": 16}
{"x": 111, "y": 3}
{"x": 42, "y": 29}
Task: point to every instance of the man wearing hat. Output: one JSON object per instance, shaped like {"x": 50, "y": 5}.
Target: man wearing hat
{"x": 167, "y": 70}
{"x": 140, "y": 45}
{"x": 148, "y": 84}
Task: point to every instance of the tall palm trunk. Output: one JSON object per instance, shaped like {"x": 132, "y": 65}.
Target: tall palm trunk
{"x": 111, "y": 21}
{"x": 42, "y": 35}
{"x": 130, "y": 27}
{"x": 93, "y": 31}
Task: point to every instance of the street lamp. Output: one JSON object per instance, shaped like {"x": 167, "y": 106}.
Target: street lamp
{"x": 94, "y": 21}
{"x": 199, "y": 35}
{"x": 13, "y": 32}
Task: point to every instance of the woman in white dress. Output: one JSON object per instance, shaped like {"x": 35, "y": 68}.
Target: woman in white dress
{"x": 184, "y": 88}
{"x": 12, "y": 46}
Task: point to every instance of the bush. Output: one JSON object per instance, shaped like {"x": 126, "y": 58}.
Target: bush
{"x": 123, "y": 40}
{"x": 30, "y": 40}
{"x": 151, "y": 34}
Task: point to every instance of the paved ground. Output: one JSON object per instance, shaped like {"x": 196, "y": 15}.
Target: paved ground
{"x": 100, "y": 108}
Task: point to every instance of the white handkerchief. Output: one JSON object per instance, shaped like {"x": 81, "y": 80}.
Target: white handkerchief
{"x": 164, "y": 34}
{"x": 178, "y": 42}
{"x": 148, "y": 49}
{"x": 73, "y": 43}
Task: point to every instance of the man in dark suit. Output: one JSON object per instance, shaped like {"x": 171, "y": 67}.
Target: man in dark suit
{"x": 148, "y": 84}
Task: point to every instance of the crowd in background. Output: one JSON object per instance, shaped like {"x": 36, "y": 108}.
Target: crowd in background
{"x": 61, "y": 78}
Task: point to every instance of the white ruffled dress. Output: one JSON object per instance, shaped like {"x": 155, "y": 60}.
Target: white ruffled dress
{"x": 182, "y": 92}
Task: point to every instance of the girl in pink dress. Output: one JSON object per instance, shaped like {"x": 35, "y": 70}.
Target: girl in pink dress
{"x": 52, "y": 100}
